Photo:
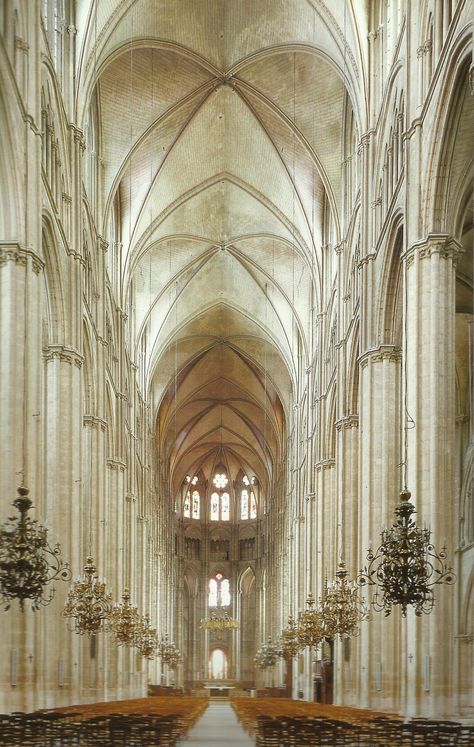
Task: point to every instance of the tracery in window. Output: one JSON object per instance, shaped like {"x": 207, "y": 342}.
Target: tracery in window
{"x": 220, "y": 480}
{"x": 192, "y": 500}
{"x": 220, "y": 501}
{"x": 219, "y": 591}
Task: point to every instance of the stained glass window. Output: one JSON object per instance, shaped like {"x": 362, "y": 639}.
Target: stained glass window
{"x": 225, "y": 593}
{"x": 220, "y": 480}
{"x": 225, "y": 507}
{"x": 244, "y": 504}
{"x": 213, "y": 593}
{"x": 196, "y": 504}
{"x": 219, "y": 591}
{"x": 215, "y": 507}
{"x": 253, "y": 505}
{"x": 245, "y": 480}
{"x": 187, "y": 505}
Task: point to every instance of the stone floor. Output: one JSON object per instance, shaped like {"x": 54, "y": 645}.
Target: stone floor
{"x": 218, "y": 726}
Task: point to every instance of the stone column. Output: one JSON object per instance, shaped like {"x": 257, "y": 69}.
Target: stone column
{"x": 430, "y": 268}
{"x": 378, "y": 495}
{"x": 347, "y": 476}
{"x": 20, "y": 444}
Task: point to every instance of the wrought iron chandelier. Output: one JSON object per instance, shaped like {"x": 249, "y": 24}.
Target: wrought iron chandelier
{"x": 88, "y": 603}
{"x": 123, "y": 621}
{"x": 267, "y": 655}
{"x": 146, "y": 638}
{"x": 311, "y": 629}
{"x": 27, "y": 561}
{"x": 342, "y": 607}
{"x": 406, "y": 565}
{"x": 169, "y": 653}
{"x": 289, "y": 642}
{"x": 218, "y": 622}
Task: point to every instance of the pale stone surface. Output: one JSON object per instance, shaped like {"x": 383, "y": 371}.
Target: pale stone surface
{"x": 248, "y": 249}
{"x": 218, "y": 725}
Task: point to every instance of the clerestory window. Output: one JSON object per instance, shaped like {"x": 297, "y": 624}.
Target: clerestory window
{"x": 219, "y": 591}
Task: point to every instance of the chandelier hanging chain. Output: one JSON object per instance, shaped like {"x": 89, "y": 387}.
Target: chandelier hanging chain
{"x": 27, "y": 561}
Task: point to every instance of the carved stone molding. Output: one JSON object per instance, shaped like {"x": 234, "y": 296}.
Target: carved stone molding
{"x": 364, "y": 141}
{"x": 21, "y": 44}
{"x": 92, "y": 421}
{"x": 130, "y": 497}
{"x": 366, "y": 259}
{"x": 11, "y": 251}
{"x": 471, "y": 78}
{"x": 349, "y": 421}
{"x": 445, "y": 246}
{"x": 116, "y": 464}
{"x": 325, "y": 464}
{"x": 339, "y": 248}
{"x": 63, "y": 354}
{"x": 382, "y": 353}
{"x": 103, "y": 243}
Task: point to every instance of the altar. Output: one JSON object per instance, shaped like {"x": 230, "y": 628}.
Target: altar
{"x": 219, "y": 688}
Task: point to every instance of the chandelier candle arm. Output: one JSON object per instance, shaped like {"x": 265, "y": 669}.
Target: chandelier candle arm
{"x": 342, "y": 608}
{"x": 27, "y": 561}
{"x": 146, "y": 638}
{"x": 88, "y": 602}
{"x": 310, "y": 624}
{"x": 123, "y": 621}
{"x": 289, "y": 642}
{"x": 218, "y": 622}
{"x": 267, "y": 655}
{"x": 406, "y": 566}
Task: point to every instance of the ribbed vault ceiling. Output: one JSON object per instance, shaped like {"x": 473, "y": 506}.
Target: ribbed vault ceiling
{"x": 220, "y": 126}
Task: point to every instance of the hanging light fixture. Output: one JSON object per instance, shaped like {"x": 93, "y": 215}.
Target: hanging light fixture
{"x": 123, "y": 621}
{"x": 310, "y": 624}
{"x": 406, "y": 566}
{"x": 28, "y": 563}
{"x": 146, "y": 638}
{"x": 342, "y": 607}
{"x": 289, "y": 642}
{"x": 218, "y": 622}
{"x": 88, "y": 603}
{"x": 169, "y": 653}
{"x": 267, "y": 655}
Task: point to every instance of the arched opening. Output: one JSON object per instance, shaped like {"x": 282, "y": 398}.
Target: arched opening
{"x": 218, "y": 665}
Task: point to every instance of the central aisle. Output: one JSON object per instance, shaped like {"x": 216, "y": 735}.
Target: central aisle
{"x": 218, "y": 726}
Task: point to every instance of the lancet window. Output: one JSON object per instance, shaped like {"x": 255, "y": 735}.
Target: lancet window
{"x": 219, "y": 591}
{"x": 220, "y": 498}
{"x": 248, "y": 502}
{"x": 192, "y": 499}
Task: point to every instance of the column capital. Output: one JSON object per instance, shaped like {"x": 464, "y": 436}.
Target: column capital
{"x": 382, "y": 353}
{"x": 325, "y": 464}
{"x": 348, "y": 421}
{"x": 445, "y": 246}
{"x": 63, "y": 354}
{"x": 12, "y": 251}
{"x": 92, "y": 421}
